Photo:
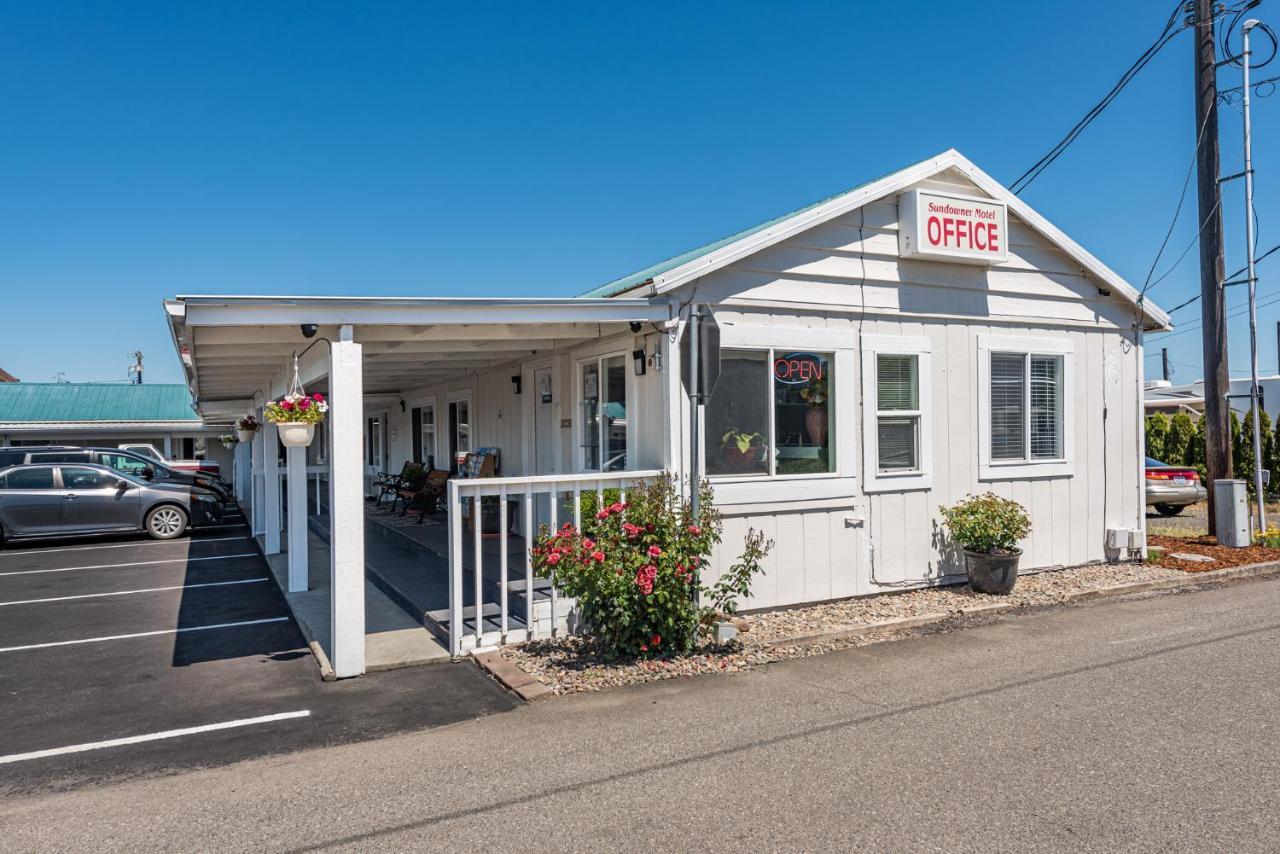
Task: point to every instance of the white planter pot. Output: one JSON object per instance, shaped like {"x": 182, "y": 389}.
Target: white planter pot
{"x": 296, "y": 434}
{"x": 229, "y": 445}
{"x": 245, "y": 435}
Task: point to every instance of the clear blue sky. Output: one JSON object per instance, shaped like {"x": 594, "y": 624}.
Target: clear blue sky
{"x": 542, "y": 149}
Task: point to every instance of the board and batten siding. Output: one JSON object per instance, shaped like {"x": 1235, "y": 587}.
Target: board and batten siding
{"x": 845, "y": 278}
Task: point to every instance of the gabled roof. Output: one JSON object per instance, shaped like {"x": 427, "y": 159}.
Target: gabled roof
{"x": 684, "y": 268}
{"x": 91, "y": 403}
{"x": 6, "y": 377}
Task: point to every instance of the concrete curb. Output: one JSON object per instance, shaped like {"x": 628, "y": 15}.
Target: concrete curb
{"x": 522, "y": 684}
{"x": 1192, "y": 579}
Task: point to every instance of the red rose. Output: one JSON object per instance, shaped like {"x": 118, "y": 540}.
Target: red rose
{"x": 553, "y": 558}
{"x": 603, "y": 514}
{"x": 656, "y": 640}
{"x": 598, "y": 556}
{"x": 695, "y": 530}
{"x": 654, "y": 551}
{"x": 588, "y": 543}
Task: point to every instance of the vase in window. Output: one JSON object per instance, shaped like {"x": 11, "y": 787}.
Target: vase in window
{"x": 815, "y": 419}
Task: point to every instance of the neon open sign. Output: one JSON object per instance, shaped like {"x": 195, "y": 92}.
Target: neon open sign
{"x": 797, "y": 368}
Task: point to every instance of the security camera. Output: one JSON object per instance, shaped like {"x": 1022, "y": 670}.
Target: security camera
{"x": 309, "y": 330}
{"x": 635, "y": 327}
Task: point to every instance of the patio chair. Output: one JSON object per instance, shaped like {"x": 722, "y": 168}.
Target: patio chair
{"x": 387, "y": 483}
{"x": 425, "y": 494}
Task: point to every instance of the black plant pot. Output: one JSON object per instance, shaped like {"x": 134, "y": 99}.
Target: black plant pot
{"x": 994, "y": 573}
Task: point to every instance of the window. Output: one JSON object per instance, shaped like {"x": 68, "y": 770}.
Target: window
{"x": 604, "y": 414}
{"x": 78, "y": 478}
{"x": 770, "y": 414}
{"x": 896, "y": 403}
{"x": 427, "y": 433}
{"x": 124, "y": 463}
{"x": 897, "y": 413}
{"x": 33, "y": 478}
{"x": 1026, "y": 414}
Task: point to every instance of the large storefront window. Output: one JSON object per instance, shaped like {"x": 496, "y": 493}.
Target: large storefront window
{"x": 771, "y": 414}
{"x": 604, "y": 414}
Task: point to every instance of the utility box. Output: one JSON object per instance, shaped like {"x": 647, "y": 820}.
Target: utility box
{"x": 1231, "y": 506}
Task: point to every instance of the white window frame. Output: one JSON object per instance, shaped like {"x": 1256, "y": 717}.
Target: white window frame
{"x": 875, "y": 480}
{"x": 989, "y": 469}
{"x": 429, "y": 450}
{"x": 580, "y": 420}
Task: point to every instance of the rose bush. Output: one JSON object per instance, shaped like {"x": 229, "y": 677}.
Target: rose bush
{"x": 635, "y": 568}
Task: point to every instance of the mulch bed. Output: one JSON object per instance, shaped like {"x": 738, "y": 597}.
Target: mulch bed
{"x": 1223, "y": 556}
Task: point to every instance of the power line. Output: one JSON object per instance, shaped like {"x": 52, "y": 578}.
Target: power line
{"x": 1166, "y": 35}
{"x": 1229, "y": 278}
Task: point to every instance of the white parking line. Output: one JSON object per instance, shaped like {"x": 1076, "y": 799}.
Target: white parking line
{"x": 135, "y": 563}
{"x": 131, "y": 592}
{"x": 155, "y": 736}
{"x": 117, "y": 546}
{"x": 141, "y": 634}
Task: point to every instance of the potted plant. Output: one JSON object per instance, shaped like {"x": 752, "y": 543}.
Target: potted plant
{"x": 988, "y": 528}
{"x": 246, "y": 427}
{"x": 228, "y": 441}
{"x": 296, "y": 416}
{"x": 741, "y": 449}
{"x": 815, "y": 419}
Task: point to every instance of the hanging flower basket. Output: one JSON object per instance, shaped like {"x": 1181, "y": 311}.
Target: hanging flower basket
{"x": 296, "y": 434}
{"x": 229, "y": 441}
{"x": 297, "y": 413}
{"x": 246, "y": 428}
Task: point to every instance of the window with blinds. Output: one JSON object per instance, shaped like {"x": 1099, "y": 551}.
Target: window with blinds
{"x": 1026, "y": 407}
{"x": 897, "y": 412}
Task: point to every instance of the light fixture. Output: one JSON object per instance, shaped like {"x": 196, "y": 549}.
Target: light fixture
{"x": 515, "y": 384}
{"x": 637, "y": 356}
{"x": 309, "y": 330}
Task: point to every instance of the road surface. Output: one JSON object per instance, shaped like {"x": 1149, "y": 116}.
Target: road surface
{"x": 1143, "y": 724}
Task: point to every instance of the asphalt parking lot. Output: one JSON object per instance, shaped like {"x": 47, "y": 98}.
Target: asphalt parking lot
{"x": 127, "y": 657}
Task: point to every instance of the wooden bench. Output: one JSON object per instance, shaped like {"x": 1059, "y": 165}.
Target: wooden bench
{"x": 424, "y": 494}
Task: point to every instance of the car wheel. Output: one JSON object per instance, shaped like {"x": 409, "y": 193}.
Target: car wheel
{"x": 1169, "y": 509}
{"x": 166, "y": 522}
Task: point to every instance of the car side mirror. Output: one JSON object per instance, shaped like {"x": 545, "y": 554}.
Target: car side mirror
{"x": 122, "y": 485}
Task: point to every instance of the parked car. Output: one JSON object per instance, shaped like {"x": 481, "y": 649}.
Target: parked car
{"x": 45, "y": 500}
{"x": 1171, "y": 488}
{"x": 125, "y": 462}
{"x": 208, "y": 467}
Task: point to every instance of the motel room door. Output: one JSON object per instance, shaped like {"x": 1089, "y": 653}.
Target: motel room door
{"x": 545, "y": 437}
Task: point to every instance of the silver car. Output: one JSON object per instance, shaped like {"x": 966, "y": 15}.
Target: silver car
{"x": 1170, "y": 489}
{"x": 66, "y": 500}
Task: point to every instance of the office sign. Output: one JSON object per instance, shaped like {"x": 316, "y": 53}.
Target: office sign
{"x": 946, "y": 227}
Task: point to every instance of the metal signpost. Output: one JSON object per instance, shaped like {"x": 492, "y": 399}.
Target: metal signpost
{"x": 699, "y": 371}
{"x": 1252, "y": 280}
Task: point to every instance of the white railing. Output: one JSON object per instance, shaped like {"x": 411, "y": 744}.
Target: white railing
{"x": 542, "y": 499}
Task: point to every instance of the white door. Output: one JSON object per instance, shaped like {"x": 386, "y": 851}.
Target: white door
{"x": 545, "y": 437}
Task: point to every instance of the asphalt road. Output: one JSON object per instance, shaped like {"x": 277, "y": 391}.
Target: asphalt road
{"x": 1143, "y": 724}
{"x": 126, "y": 638}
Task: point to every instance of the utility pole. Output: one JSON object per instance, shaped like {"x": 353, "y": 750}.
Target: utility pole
{"x": 1253, "y": 280}
{"x": 1212, "y": 304}
{"x": 1164, "y": 363}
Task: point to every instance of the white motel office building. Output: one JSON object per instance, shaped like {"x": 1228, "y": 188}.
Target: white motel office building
{"x": 883, "y": 352}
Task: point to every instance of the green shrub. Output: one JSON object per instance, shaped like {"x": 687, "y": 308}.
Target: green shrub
{"x": 1181, "y": 431}
{"x": 987, "y": 523}
{"x": 1157, "y": 432}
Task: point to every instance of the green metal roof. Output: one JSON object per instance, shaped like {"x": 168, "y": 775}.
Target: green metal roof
{"x": 626, "y": 283}
{"x": 84, "y": 402}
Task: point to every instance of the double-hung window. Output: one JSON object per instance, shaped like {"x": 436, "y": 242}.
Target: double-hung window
{"x": 897, "y": 435}
{"x": 1025, "y": 407}
{"x": 771, "y": 414}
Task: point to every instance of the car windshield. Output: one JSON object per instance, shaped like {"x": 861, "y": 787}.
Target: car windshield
{"x": 1152, "y": 462}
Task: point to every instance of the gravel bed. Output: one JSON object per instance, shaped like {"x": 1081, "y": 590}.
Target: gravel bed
{"x": 570, "y": 665}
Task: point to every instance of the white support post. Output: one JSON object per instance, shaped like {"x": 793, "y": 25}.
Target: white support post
{"x": 270, "y": 488}
{"x": 168, "y": 446}
{"x": 240, "y": 466}
{"x": 346, "y": 503}
{"x": 296, "y": 478}
{"x": 256, "y": 468}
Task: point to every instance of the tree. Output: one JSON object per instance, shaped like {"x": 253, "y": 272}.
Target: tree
{"x": 1182, "y": 431}
{"x": 1242, "y": 448}
{"x": 1157, "y": 432}
{"x": 1195, "y": 450}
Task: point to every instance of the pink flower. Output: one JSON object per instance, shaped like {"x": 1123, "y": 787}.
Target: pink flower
{"x": 654, "y": 551}
{"x": 695, "y": 530}
{"x": 318, "y": 397}
{"x": 644, "y": 578}
{"x": 603, "y": 514}
{"x": 598, "y": 556}
{"x": 588, "y": 543}
{"x": 287, "y": 406}
{"x": 631, "y": 530}
{"x": 617, "y": 507}
{"x": 304, "y": 403}
{"x": 553, "y": 558}
{"x": 644, "y": 648}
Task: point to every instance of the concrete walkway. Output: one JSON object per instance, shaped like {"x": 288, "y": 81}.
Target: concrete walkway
{"x": 1141, "y": 724}
{"x": 392, "y": 637}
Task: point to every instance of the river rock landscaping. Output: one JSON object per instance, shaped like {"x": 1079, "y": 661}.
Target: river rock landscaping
{"x": 572, "y": 664}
